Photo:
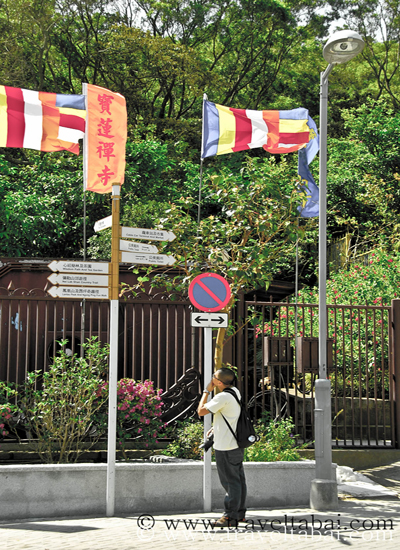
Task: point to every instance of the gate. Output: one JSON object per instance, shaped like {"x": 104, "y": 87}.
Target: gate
{"x": 280, "y": 369}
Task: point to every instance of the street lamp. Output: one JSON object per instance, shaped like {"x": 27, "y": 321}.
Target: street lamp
{"x": 340, "y": 48}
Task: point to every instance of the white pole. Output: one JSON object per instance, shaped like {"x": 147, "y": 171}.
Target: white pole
{"x": 323, "y": 493}
{"x": 208, "y": 372}
{"x": 113, "y": 368}
{"x": 323, "y": 426}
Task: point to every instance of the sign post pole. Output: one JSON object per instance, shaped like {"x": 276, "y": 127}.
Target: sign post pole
{"x": 208, "y": 370}
{"x": 210, "y": 293}
{"x": 113, "y": 368}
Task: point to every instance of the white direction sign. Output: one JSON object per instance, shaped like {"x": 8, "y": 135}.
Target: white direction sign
{"x": 130, "y": 246}
{"x": 78, "y": 279}
{"x": 148, "y": 234}
{"x": 209, "y": 320}
{"x": 103, "y": 224}
{"x": 79, "y": 292}
{"x": 66, "y": 266}
{"x": 149, "y": 259}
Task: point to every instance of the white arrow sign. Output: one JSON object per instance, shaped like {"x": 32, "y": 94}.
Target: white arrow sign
{"x": 209, "y": 320}
{"x": 148, "y": 234}
{"x": 79, "y": 292}
{"x": 130, "y": 246}
{"x": 103, "y": 224}
{"x": 71, "y": 279}
{"x": 66, "y": 266}
{"x": 149, "y": 259}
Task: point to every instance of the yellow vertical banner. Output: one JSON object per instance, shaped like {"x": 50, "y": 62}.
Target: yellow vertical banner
{"x": 105, "y": 139}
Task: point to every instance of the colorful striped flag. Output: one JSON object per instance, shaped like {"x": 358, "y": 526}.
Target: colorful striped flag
{"x": 41, "y": 120}
{"x": 227, "y": 130}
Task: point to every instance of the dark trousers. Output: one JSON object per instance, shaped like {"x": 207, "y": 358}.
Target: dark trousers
{"x": 232, "y": 478}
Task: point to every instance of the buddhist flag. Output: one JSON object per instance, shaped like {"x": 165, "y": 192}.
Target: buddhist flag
{"x": 105, "y": 139}
{"x": 41, "y": 120}
{"x": 310, "y": 204}
{"x": 227, "y": 130}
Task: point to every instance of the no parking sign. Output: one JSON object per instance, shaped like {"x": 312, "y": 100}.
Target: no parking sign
{"x": 209, "y": 292}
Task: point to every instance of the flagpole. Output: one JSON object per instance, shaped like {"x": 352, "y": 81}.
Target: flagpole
{"x": 84, "y": 172}
{"x": 201, "y": 165}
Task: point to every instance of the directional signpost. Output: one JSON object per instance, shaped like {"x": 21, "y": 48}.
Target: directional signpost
{"x": 78, "y": 279}
{"x": 131, "y": 246}
{"x": 208, "y": 292}
{"x": 92, "y": 276}
{"x": 147, "y": 259}
{"x": 147, "y": 234}
{"x": 103, "y": 224}
{"x": 100, "y": 293}
{"x": 66, "y": 266}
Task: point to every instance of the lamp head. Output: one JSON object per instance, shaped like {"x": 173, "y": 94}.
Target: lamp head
{"x": 342, "y": 46}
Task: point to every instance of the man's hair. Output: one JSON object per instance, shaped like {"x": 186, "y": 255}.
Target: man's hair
{"x": 227, "y": 376}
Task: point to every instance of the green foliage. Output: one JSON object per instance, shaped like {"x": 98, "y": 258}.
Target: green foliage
{"x": 249, "y": 223}
{"x": 187, "y": 438}
{"x": 277, "y": 441}
{"x": 60, "y": 415}
{"x": 364, "y": 196}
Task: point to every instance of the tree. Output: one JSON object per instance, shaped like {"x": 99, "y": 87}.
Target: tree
{"x": 378, "y": 22}
{"x": 363, "y": 175}
{"x": 250, "y": 224}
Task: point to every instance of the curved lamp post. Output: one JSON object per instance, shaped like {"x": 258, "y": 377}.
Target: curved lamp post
{"x": 340, "y": 48}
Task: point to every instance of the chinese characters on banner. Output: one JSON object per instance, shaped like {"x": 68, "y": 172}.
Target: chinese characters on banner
{"x": 105, "y": 139}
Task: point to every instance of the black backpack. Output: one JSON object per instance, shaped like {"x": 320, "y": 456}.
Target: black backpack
{"x": 245, "y": 433}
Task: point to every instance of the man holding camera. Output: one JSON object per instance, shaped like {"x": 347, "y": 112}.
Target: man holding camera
{"x": 228, "y": 456}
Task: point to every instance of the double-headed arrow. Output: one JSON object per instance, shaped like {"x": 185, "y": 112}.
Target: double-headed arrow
{"x": 209, "y": 320}
{"x": 200, "y": 319}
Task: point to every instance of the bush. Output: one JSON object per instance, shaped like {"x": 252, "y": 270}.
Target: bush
{"x": 138, "y": 412}
{"x": 8, "y": 410}
{"x": 60, "y": 415}
{"x": 188, "y": 436}
{"x": 277, "y": 441}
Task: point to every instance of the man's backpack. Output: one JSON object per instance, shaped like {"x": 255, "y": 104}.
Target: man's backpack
{"x": 245, "y": 433}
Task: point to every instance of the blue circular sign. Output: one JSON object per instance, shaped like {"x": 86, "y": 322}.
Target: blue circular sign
{"x": 209, "y": 292}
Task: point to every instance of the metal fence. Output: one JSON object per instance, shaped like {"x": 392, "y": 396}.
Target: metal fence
{"x": 276, "y": 370}
{"x": 155, "y": 337}
{"x": 280, "y": 369}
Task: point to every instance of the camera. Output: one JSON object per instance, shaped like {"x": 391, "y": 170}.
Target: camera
{"x": 208, "y": 443}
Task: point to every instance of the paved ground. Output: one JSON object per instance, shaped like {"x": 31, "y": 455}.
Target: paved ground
{"x": 358, "y": 523}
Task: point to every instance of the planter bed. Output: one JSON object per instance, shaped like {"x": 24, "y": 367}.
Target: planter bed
{"x": 44, "y": 491}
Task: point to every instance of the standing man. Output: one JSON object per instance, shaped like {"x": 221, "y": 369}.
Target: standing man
{"x": 228, "y": 456}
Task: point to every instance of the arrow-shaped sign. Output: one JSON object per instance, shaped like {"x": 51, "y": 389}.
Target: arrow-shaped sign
{"x": 130, "y": 246}
{"x": 148, "y": 234}
{"x": 148, "y": 259}
{"x": 77, "y": 279}
{"x": 103, "y": 224}
{"x": 209, "y": 320}
{"x": 79, "y": 292}
{"x": 66, "y": 266}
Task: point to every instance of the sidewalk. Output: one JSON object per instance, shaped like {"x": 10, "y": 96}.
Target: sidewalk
{"x": 358, "y": 523}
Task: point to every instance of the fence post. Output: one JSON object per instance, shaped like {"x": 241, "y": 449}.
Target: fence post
{"x": 395, "y": 382}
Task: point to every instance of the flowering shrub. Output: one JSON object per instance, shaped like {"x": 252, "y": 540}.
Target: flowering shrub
{"x": 138, "y": 412}
{"x": 7, "y": 408}
{"x": 357, "y": 324}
